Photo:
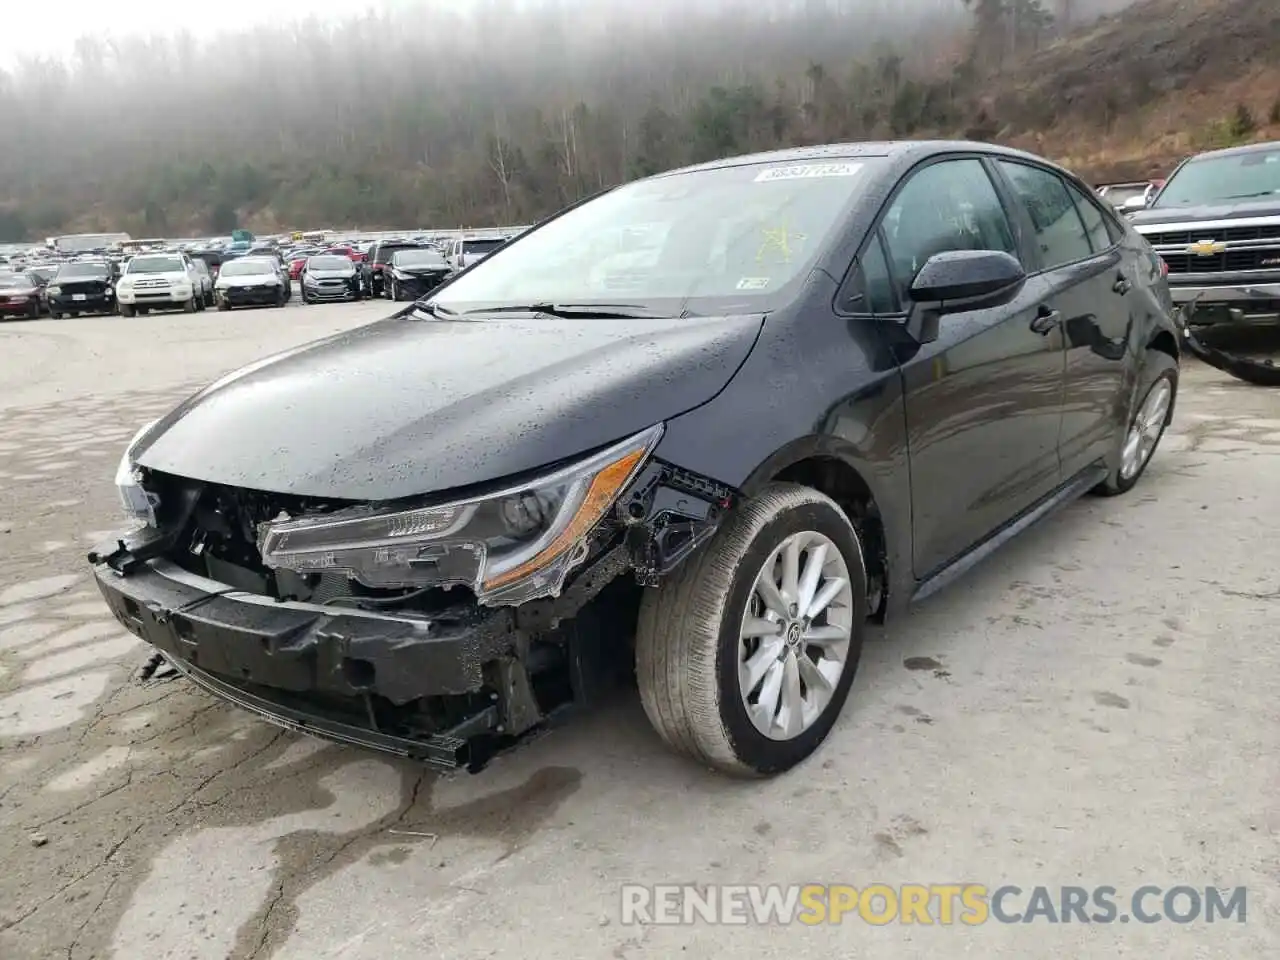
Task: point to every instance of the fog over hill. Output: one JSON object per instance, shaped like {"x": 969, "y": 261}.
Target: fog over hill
{"x": 491, "y": 111}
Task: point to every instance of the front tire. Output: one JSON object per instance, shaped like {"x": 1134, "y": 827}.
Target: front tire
{"x": 189, "y": 306}
{"x": 1154, "y": 412}
{"x": 745, "y": 655}
{"x": 126, "y": 310}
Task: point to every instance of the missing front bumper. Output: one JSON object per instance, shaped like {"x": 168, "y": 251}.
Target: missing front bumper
{"x": 408, "y": 685}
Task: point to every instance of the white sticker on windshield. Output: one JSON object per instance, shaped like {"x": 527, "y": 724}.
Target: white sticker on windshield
{"x": 807, "y": 171}
{"x": 753, "y": 283}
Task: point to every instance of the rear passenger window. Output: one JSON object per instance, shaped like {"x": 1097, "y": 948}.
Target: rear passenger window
{"x": 1095, "y": 226}
{"x": 1060, "y": 233}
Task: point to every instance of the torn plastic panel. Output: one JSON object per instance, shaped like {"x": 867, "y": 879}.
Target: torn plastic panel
{"x": 668, "y": 513}
{"x": 509, "y": 547}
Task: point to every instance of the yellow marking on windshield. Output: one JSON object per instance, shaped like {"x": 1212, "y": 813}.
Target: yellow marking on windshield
{"x": 779, "y": 239}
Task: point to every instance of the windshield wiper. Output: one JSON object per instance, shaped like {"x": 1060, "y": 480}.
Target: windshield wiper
{"x": 1249, "y": 196}
{"x": 571, "y": 311}
{"x": 433, "y": 310}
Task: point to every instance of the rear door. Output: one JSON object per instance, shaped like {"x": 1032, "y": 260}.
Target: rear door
{"x": 1087, "y": 284}
{"x": 984, "y": 400}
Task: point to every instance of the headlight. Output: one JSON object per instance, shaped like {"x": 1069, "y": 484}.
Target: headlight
{"x": 509, "y": 547}
{"x": 55, "y": 290}
{"x": 400, "y": 275}
{"x": 138, "y": 503}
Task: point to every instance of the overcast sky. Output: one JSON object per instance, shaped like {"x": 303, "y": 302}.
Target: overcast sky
{"x": 51, "y": 27}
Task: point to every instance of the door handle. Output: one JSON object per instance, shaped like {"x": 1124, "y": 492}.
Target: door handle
{"x": 1045, "y": 321}
{"x": 1122, "y": 285}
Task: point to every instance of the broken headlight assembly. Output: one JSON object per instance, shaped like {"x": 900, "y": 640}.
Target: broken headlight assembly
{"x": 509, "y": 547}
{"x": 139, "y": 504}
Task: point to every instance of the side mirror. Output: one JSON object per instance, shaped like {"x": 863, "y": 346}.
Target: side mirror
{"x": 1135, "y": 203}
{"x": 960, "y": 280}
{"x": 951, "y": 281}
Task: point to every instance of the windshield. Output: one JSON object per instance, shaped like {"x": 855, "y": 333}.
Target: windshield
{"x": 246, "y": 268}
{"x": 387, "y": 251}
{"x": 710, "y": 240}
{"x": 155, "y": 265}
{"x": 72, "y": 271}
{"x": 10, "y": 281}
{"x": 1216, "y": 179}
{"x": 331, "y": 263}
{"x": 418, "y": 258}
{"x": 482, "y": 246}
{"x": 44, "y": 273}
{"x": 1118, "y": 196}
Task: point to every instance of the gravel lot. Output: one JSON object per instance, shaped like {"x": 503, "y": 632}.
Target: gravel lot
{"x": 1099, "y": 706}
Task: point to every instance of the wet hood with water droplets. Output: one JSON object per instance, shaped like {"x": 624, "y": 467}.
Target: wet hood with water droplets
{"x": 405, "y": 407}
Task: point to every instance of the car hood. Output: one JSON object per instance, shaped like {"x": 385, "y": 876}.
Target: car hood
{"x": 1236, "y": 210}
{"x": 248, "y": 280}
{"x": 422, "y": 269}
{"x": 172, "y": 276}
{"x": 331, "y": 274}
{"x": 404, "y": 407}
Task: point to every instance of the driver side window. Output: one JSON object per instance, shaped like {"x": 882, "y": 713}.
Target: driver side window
{"x": 951, "y": 205}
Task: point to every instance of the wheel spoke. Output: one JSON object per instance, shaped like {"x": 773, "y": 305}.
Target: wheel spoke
{"x": 825, "y": 636}
{"x": 791, "y": 570}
{"x": 817, "y": 681}
{"x": 812, "y": 575}
{"x": 768, "y": 591}
{"x": 754, "y": 627}
{"x": 792, "y": 717}
{"x": 758, "y": 664}
{"x": 830, "y": 590}
{"x": 770, "y": 691}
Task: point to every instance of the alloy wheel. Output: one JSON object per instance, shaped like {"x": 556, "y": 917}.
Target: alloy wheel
{"x": 1144, "y": 433}
{"x": 795, "y": 635}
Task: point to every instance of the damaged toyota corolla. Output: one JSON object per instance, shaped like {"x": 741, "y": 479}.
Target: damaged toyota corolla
{"x": 701, "y": 427}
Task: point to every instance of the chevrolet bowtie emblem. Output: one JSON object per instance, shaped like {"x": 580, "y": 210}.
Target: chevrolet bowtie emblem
{"x": 1206, "y": 248}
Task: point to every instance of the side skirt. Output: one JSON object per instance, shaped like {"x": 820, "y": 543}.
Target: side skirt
{"x": 1072, "y": 490}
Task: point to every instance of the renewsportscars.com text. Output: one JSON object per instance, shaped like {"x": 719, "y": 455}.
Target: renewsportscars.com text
{"x": 963, "y": 904}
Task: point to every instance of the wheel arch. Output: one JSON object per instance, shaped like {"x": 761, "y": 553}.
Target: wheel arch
{"x": 839, "y": 471}
{"x": 1163, "y": 341}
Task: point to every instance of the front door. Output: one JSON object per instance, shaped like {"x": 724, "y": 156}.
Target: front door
{"x": 984, "y": 400}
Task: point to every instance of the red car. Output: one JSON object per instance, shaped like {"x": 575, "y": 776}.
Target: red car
{"x": 351, "y": 253}
{"x": 19, "y": 295}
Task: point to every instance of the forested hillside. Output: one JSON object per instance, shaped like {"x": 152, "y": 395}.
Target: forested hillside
{"x": 504, "y": 112}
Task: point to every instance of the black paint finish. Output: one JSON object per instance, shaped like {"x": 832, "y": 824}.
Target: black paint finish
{"x": 959, "y": 438}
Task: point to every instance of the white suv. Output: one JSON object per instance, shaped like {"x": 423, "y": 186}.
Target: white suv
{"x": 159, "y": 280}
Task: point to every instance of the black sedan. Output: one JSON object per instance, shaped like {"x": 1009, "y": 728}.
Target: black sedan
{"x": 411, "y": 274}
{"x": 85, "y": 286}
{"x": 731, "y": 412}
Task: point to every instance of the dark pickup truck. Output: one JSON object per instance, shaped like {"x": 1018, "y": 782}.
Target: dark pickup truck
{"x": 1216, "y": 224}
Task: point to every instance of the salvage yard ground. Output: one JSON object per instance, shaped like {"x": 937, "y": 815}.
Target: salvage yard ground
{"x": 1099, "y": 703}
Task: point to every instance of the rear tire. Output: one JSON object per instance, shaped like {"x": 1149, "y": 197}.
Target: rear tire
{"x": 223, "y": 305}
{"x": 699, "y": 641}
{"x": 1157, "y": 393}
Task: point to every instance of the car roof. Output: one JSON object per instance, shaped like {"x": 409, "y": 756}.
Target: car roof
{"x": 894, "y": 149}
{"x": 1238, "y": 151}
